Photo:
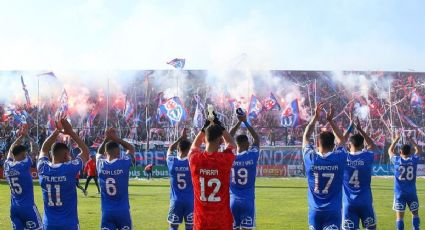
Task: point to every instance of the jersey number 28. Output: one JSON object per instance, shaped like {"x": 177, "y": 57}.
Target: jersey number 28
{"x": 213, "y": 182}
{"x": 406, "y": 173}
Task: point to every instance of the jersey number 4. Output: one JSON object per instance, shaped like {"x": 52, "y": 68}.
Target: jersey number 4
{"x": 317, "y": 176}
{"x": 213, "y": 182}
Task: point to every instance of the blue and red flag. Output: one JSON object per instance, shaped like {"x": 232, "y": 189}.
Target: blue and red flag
{"x": 415, "y": 100}
{"x": 90, "y": 118}
{"x": 198, "y": 118}
{"x": 255, "y": 107}
{"x": 271, "y": 103}
{"x": 63, "y": 109}
{"x": 177, "y": 63}
{"x": 27, "y": 96}
{"x": 291, "y": 115}
{"x": 129, "y": 110}
{"x": 174, "y": 109}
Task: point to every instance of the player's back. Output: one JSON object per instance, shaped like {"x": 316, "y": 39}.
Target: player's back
{"x": 357, "y": 178}
{"x": 211, "y": 180}
{"x": 113, "y": 179}
{"x": 405, "y": 173}
{"x": 180, "y": 178}
{"x": 324, "y": 174}
{"x": 19, "y": 177}
{"x": 244, "y": 172}
{"x": 57, "y": 182}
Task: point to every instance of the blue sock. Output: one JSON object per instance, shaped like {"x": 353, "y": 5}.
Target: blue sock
{"x": 400, "y": 224}
{"x": 174, "y": 227}
{"x": 190, "y": 226}
{"x": 416, "y": 222}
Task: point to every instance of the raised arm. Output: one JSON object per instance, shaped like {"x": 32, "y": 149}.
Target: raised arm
{"x": 418, "y": 150}
{"x": 228, "y": 140}
{"x": 251, "y": 130}
{"x": 369, "y": 142}
{"x": 337, "y": 132}
{"x": 391, "y": 149}
{"x": 111, "y": 134}
{"x": 235, "y": 128}
{"x": 310, "y": 127}
{"x": 173, "y": 147}
{"x": 84, "y": 150}
{"x": 22, "y": 133}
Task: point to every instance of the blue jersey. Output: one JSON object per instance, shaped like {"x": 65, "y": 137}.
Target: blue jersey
{"x": 357, "y": 178}
{"x": 244, "y": 172}
{"x": 405, "y": 174}
{"x": 324, "y": 175}
{"x": 180, "y": 179}
{"x": 18, "y": 174}
{"x": 57, "y": 183}
{"x": 113, "y": 179}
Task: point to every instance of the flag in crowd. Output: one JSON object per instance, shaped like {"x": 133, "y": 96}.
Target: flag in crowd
{"x": 177, "y": 63}
{"x": 255, "y": 107}
{"x": 63, "y": 103}
{"x": 128, "y": 111}
{"x": 27, "y": 96}
{"x": 271, "y": 103}
{"x": 291, "y": 115}
{"x": 198, "y": 118}
{"x": 174, "y": 109}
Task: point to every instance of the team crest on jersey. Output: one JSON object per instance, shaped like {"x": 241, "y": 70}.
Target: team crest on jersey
{"x": 311, "y": 227}
{"x": 414, "y": 206}
{"x": 173, "y": 218}
{"x": 331, "y": 227}
{"x": 399, "y": 206}
{"x": 348, "y": 224}
{"x": 189, "y": 218}
{"x": 369, "y": 221}
{"x": 247, "y": 221}
{"x": 30, "y": 224}
{"x": 125, "y": 228}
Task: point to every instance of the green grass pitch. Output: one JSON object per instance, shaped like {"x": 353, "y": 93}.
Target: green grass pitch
{"x": 280, "y": 204}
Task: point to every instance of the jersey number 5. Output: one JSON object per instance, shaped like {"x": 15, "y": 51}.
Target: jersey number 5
{"x": 211, "y": 182}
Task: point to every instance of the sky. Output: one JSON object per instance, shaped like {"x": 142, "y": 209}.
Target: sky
{"x": 213, "y": 34}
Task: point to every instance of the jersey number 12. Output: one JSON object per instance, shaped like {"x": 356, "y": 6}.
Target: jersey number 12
{"x": 213, "y": 182}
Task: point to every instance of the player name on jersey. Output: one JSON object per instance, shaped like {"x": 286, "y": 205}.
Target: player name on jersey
{"x": 355, "y": 163}
{"x": 324, "y": 167}
{"x": 208, "y": 172}
{"x": 112, "y": 172}
{"x": 54, "y": 178}
{"x": 243, "y": 163}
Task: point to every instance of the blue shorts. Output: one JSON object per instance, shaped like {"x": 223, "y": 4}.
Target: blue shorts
{"x": 352, "y": 214}
{"x": 401, "y": 200}
{"x": 25, "y": 218}
{"x": 116, "y": 219}
{"x": 324, "y": 220}
{"x": 243, "y": 211}
{"x": 61, "y": 227}
{"x": 180, "y": 210}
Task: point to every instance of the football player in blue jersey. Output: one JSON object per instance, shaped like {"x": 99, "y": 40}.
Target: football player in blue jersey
{"x": 244, "y": 172}
{"x": 113, "y": 171}
{"x": 181, "y": 191}
{"x": 23, "y": 212}
{"x": 405, "y": 166}
{"x": 357, "y": 197}
{"x": 57, "y": 178}
{"x": 325, "y": 172}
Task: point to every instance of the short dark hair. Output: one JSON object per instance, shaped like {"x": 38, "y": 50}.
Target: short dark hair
{"x": 327, "y": 140}
{"x": 57, "y": 148}
{"x": 18, "y": 150}
{"x": 213, "y": 132}
{"x": 184, "y": 145}
{"x": 241, "y": 139}
{"x": 405, "y": 149}
{"x": 357, "y": 140}
{"x": 111, "y": 145}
